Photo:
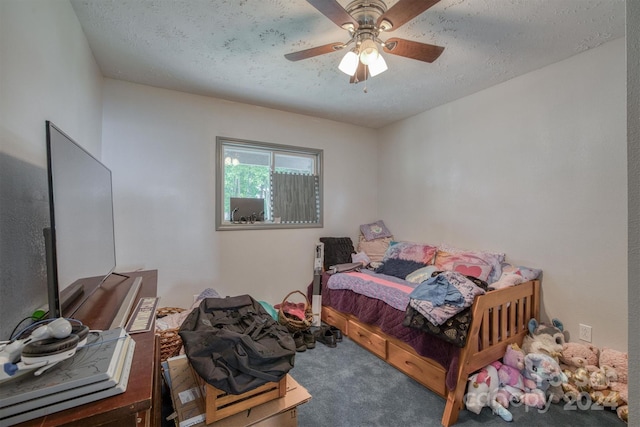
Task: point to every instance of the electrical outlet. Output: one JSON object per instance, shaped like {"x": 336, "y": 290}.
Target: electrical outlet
{"x": 585, "y": 333}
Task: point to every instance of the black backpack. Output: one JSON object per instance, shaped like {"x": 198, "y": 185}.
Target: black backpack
{"x": 235, "y": 345}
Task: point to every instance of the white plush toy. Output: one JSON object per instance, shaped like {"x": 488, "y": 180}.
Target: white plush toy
{"x": 482, "y": 390}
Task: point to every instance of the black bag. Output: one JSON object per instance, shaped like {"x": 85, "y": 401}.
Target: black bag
{"x": 235, "y": 345}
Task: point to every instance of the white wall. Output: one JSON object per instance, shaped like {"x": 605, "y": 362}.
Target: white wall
{"x": 47, "y": 72}
{"x": 535, "y": 168}
{"x": 160, "y": 145}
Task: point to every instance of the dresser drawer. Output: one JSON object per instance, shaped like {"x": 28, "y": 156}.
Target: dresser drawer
{"x": 369, "y": 340}
{"x": 417, "y": 367}
{"x": 334, "y": 318}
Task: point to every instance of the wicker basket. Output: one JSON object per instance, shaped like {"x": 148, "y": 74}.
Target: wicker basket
{"x": 292, "y": 323}
{"x": 170, "y": 341}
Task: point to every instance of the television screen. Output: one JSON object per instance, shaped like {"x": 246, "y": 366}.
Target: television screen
{"x": 82, "y": 240}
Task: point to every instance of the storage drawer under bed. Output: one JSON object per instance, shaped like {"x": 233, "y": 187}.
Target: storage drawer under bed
{"x": 425, "y": 372}
{"x": 368, "y": 339}
{"x": 334, "y": 318}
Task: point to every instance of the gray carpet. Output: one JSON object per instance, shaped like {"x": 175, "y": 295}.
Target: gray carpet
{"x": 352, "y": 387}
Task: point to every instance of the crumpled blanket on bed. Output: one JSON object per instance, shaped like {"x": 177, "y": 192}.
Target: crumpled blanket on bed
{"x": 443, "y": 296}
{"x": 389, "y": 289}
{"x": 455, "y": 330}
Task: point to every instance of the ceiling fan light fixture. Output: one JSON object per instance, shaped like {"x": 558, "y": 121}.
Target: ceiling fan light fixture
{"x": 349, "y": 63}
{"x": 368, "y": 52}
{"x": 378, "y": 66}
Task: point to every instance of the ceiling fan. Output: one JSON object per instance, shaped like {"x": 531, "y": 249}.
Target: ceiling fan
{"x": 365, "y": 20}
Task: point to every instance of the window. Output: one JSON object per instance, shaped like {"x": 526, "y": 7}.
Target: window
{"x": 261, "y": 185}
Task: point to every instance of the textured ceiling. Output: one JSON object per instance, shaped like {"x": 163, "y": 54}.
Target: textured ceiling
{"x": 234, "y": 50}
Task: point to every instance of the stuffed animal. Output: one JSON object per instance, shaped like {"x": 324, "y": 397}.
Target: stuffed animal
{"x": 481, "y": 391}
{"x": 616, "y": 365}
{"x": 545, "y": 371}
{"x": 576, "y": 355}
{"x": 545, "y": 339}
{"x": 578, "y": 382}
{"x": 514, "y": 387}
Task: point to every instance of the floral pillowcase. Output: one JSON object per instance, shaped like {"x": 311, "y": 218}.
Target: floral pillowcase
{"x": 410, "y": 251}
{"x": 447, "y": 256}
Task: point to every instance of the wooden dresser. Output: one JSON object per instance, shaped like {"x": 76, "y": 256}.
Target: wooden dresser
{"x": 141, "y": 404}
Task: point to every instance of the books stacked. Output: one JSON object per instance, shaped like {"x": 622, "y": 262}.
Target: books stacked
{"x": 99, "y": 369}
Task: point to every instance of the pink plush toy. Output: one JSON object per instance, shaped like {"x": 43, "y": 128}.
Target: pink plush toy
{"x": 514, "y": 387}
{"x": 617, "y": 363}
{"x": 576, "y": 355}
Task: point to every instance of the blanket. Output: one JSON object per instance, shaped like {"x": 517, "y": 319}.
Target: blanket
{"x": 443, "y": 296}
{"x": 455, "y": 330}
{"x": 389, "y": 289}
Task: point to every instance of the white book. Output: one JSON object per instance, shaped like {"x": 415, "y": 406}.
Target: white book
{"x": 120, "y": 387}
{"x": 95, "y": 362}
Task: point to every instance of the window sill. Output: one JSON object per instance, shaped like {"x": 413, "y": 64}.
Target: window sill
{"x": 266, "y": 225}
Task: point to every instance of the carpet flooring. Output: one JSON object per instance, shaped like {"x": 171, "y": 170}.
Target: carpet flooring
{"x": 352, "y": 387}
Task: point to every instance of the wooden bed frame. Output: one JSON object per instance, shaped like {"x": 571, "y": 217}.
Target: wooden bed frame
{"x": 499, "y": 318}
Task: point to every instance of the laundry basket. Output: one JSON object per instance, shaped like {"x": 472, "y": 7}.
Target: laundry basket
{"x": 170, "y": 341}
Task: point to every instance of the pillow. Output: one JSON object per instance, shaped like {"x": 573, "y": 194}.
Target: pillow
{"x": 409, "y": 251}
{"x": 506, "y": 280}
{"x": 525, "y": 272}
{"x": 361, "y": 257}
{"x": 399, "y": 268}
{"x": 375, "y": 249}
{"x": 337, "y": 250}
{"x": 375, "y": 230}
{"x": 495, "y": 260}
{"x": 446, "y": 260}
{"x": 421, "y": 274}
{"x": 480, "y": 271}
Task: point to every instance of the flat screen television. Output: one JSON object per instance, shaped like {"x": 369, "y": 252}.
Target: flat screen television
{"x": 80, "y": 242}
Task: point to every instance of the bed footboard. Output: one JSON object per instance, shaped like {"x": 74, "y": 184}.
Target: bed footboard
{"x": 499, "y": 318}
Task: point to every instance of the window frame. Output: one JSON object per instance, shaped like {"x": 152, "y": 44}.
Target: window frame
{"x": 221, "y": 224}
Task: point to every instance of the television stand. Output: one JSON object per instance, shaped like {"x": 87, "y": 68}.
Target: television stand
{"x": 141, "y": 404}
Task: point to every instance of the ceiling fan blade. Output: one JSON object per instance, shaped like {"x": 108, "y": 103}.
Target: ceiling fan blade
{"x": 410, "y": 49}
{"x": 314, "y": 51}
{"x": 361, "y": 74}
{"x": 402, "y": 12}
{"x": 332, "y": 10}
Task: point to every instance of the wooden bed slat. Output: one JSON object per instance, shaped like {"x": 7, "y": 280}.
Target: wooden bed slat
{"x": 513, "y": 312}
{"x": 484, "y": 330}
{"x": 495, "y": 326}
{"x": 504, "y": 326}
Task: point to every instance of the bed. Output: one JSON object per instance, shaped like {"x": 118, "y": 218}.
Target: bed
{"x": 496, "y": 319}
